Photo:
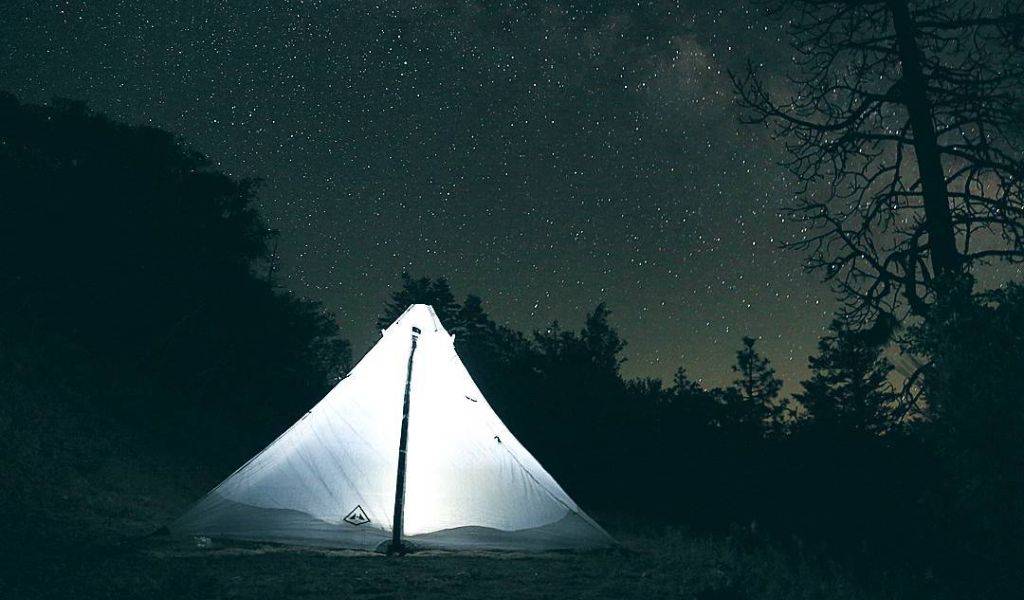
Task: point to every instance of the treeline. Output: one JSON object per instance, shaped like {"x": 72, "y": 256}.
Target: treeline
{"x": 930, "y": 480}
{"x": 736, "y": 455}
{"x": 124, "y": 242}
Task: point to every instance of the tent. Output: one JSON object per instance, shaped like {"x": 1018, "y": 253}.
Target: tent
{"x": 404, "y": 453}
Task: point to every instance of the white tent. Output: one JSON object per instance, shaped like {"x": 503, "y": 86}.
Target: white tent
{"x": 335, "y": 479}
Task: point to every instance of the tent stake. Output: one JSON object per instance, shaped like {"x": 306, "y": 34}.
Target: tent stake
{"x": 396, "y": 530}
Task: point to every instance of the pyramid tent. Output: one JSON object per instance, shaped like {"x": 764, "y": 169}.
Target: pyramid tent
{"x": 405, "y": 442}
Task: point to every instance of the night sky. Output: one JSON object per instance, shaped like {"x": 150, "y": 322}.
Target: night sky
{"x": 544, "y": 155}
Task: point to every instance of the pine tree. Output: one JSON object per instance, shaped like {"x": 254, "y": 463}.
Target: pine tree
{"x": 601, "y": 341}
{"x": 756, "y": 397}
{"x": 849, "y": 389}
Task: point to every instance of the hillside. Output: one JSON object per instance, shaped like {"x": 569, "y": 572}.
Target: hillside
{"x": 82, "y": 472}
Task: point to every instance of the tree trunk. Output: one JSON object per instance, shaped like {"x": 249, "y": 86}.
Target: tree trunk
{"x": 945, "y": 258}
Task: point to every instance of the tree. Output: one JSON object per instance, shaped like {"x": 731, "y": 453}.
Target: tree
{"x": 903, "y": 132}
{"x": 435, "y": 292}
{"x": 757, "y": 390}
{"x": 126, "y": 242}
{"x": 601, "y": 342}
{"x": 597, "y": 345}
{"x": 974, "y": 388}
{"x": 579, "y": 399}
{"x": 849, "y": 390}
{"x": 490, "y": 351}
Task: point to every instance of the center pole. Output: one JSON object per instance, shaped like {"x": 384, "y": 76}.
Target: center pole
{"x": 396, "y": 529}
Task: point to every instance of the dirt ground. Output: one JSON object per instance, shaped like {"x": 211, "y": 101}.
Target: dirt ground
{"x": 665, "y": 564}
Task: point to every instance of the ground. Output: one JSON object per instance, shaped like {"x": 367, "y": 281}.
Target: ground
{"x": 657, "y": 564}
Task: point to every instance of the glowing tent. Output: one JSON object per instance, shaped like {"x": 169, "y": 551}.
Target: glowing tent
{"x": 404, "y": 453}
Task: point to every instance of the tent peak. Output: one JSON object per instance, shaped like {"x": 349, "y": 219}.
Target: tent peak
{"x": 419, "y": 316}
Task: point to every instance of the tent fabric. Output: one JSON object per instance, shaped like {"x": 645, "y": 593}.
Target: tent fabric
{"x": 330, "y": 480}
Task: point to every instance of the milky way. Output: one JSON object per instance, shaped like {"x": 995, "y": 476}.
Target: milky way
{"x": 546, "y": 156}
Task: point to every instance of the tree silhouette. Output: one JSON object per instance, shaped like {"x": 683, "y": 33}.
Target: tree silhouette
{"x": 579, "y": 399}
{"x": 849, "y": 389}
{"x": 435, "y": 292}
{"x": 974, "y": 389}
{"x": 756, "y": 403}
{"x": 601, "y": 342}
{"x": 128, "y": 242}
{"x": 902, "y": 129}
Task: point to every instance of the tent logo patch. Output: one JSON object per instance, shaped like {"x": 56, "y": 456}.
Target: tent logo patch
{"x": 357, "y": 516}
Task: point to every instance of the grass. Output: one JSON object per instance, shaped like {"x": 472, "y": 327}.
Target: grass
{"x": 665, "y": 563}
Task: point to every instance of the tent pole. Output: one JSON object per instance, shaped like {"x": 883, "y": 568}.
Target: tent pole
{"x": 396, "y": 529}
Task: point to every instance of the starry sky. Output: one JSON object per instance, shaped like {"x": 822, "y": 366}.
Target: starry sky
{"x": 545, "y": 155}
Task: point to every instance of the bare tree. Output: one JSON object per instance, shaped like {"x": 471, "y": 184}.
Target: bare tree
{"x": 903, "y": 129}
